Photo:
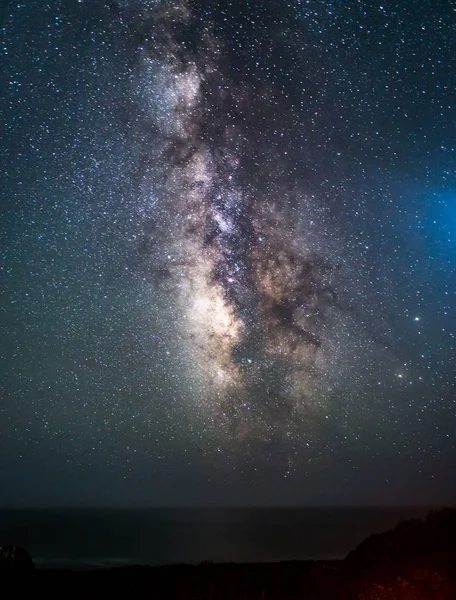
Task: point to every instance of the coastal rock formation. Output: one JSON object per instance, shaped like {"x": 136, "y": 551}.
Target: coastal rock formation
{"x": 15, "y": 558}
{"x": 430, "y": 543}
{"x": 414, "y": 561}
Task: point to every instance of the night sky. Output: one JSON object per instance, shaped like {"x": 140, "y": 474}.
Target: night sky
{"x": 228, "y": 252}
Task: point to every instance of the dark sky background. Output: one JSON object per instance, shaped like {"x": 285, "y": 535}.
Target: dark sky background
{"x": 228, "y": 252}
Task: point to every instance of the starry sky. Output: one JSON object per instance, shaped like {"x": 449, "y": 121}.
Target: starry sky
{"x": 228, "y": 252}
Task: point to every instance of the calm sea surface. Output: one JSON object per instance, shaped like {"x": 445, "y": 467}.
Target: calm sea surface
{"x": 108, "y": 537}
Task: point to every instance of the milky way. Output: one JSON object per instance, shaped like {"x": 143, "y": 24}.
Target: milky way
{"x": 255, "y": 297}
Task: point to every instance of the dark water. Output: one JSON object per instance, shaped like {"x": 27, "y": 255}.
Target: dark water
{"x": 108, "y": 537}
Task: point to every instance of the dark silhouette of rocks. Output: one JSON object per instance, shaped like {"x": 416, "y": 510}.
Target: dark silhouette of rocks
{"x": 414, "y": 561}
{"x": 431, "y": 542}
{"x": 15, "y": 558}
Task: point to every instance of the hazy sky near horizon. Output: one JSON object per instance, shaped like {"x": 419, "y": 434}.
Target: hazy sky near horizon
{"x": 228, "y": 237}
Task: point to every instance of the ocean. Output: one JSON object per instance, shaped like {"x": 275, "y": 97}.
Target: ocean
{"x": 91, "y": 538}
